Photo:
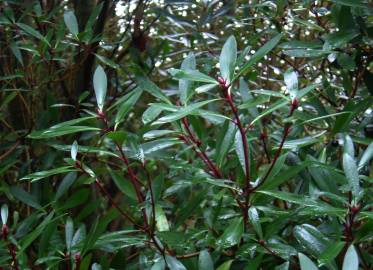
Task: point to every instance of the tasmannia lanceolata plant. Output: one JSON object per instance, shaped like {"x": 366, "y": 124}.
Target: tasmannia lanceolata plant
{"x": 217, "y": 176}
{"x": 214, "y": 141}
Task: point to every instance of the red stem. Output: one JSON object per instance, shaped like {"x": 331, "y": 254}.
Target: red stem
{"x": 287, "y": 128}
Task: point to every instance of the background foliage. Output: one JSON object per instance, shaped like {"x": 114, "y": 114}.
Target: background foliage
{"x": 186, "y": 134}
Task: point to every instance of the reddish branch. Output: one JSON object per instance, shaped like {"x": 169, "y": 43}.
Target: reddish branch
{"x": 10, "y": 246}
{"x": 228, "y": 97}
{"x": 293, "y": 106}
{"x": 137, "y": 185}
{"x": 192, "y": 140}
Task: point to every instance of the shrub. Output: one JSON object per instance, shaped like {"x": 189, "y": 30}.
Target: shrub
{"x": 243, "y": 163}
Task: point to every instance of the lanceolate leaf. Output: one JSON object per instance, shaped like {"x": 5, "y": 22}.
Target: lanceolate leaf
{"x": 266, "y": 48}
{"x": 71, "y": 22}
{"x": 351, "y": 260}
{"x": 182, "y": 112}
{"x": 228, "y": 58}
{"x": 306, "y": 263}
{"x": 205, "y": 261}
{"x": 43, "y": 174}
{"x": 100, "y": 86}
{"x": 192, "y": 75}
{"x": 351, "y": 172}
{"x": 232, "y": 234}
{"x": 185, "y": 86}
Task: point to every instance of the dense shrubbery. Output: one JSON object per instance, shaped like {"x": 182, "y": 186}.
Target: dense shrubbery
{"x": 186, "y": 135}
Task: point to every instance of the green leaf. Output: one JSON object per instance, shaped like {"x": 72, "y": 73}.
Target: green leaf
{"x": 205, "y": 88}
{"x": 351, "y": 172}
{"x": 107, "y": 61}
{"x": 205, "y": 261}
{"x": 265, "y": 49}
{"x": 226, "y": 265}
{"x": 69, "y": 232}
{"x": 331, "y": 252}
{"x": 71, "y": 22}
{"x": 74, "y": 150}
{"x": 127, "y": 104}
{"x": 351, "y": 260}
{"x": 123, "y": 184}
{"x": 228, "y": 59}
{"x": 240, "y": 151}
{"x": 31, "y": 31}
{"x": 161, "y": 219}
{"x": 174, "y": 264}
{"x": 157, "y": 133}
{"x": 60, "y": 131}
{"x": 4, "y": 213}
{"x": 275, "y": 106}
{"x": 255, "y": 221}
{"x": 67, "y": 181}
{"x": 27, "y": 240}
{"x": 310, "y": 238}
{"x": 305, "y": 53}
{"x": 192, "y": 75}
{"x": 309, "y": 25}
{"x": 367, "y": 156}
{"x": 224, "y": 143}
{"x": 25, "y": 197}
{"x": 291, "y": 82}
{"x": 306, "y": 263}
{"x": 151, "y": 113}
{"x": 352, "y": 3}
{"x": 100, "y": 86}
{"x": 44, "y": 174}
{"x": 232, "y": 234}
{"x": 348, "y": 146}
{"x": 185, "y": 86}
{"x": 145, "y": 84}
{"x": 17, "y": 53}
{"x": 182, "y": 112}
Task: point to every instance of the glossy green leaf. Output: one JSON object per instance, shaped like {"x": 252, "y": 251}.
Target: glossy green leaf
{"x": 66, "y": 183}
{"x": 265, "y": 49}
{"x": 44, "y": 174}
{"x": 225, "y": 266}
{"x": 306, "y": 263}
{"x": 255, "y": 221}
{"x": 124, "y": 185}
{"x": 60, "y": 131}
{"x": 25, "y": 197}
{"x": 351, "y": 172}
{"x": 367, "y": 156}
{"x": 192, "y": 75}
{"x": 74, "y": 150}
{"x": 161, "y": 219}
{"x": 185, "y": 86}
{"x": 100, "y": 86}
{"x": 27, "y": 241}
{"x": 31, "y": 31}
{"x": 205, "y": 88}
{"x": 228, "y": 59}
{"x": 232, "y": 234}
{"x": 352, "y": 3}
{"x": 174, "y": 264}
{"x": 145, "y": 84}
{"x": 71, "y": 22}
{"x": 205, "y": 261}
{"x": 4, "y": 213}
{"x": 69, "y": 233}
{"x": 351, "y": 259}
{"x": 127, "y": 104}
{"x": 182, "y": 112}
{"x": 225, "y": 141}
